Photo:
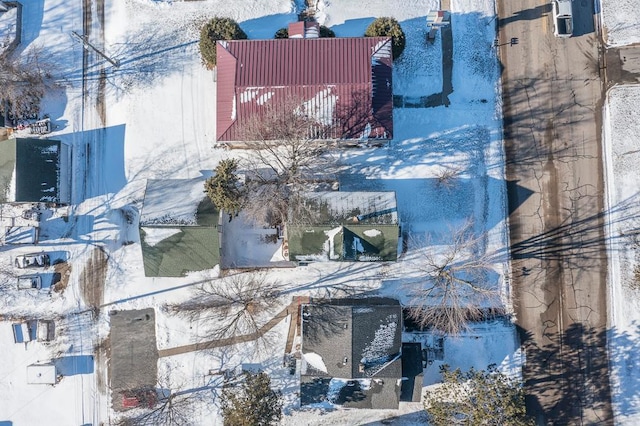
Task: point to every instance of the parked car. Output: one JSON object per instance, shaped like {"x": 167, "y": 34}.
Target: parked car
{"x": 32, "y": 260}
{"x": 563, "y": 18}
{"x": 29, "y": 281}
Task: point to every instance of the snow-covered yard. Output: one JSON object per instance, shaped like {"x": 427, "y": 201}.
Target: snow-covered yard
{"x": 622, "y": 124}
{"x": 160, "y": 123}
{"x": 621, "y": 21}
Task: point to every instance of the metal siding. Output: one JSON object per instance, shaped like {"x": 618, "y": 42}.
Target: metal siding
{"x": 225, "y": 90}
{"x": 303, "y": 68}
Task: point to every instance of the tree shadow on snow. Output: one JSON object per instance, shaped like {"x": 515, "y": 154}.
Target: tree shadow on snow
{"x": 265, "y": 27}
{"x": 568, "y": 373}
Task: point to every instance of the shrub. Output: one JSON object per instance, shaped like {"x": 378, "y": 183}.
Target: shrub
{"x": 251, "y": 402}
{"x": 326, "y": 32}
{"x": 485, "y": 397}
{"x": 214, "y": 30}
{"x": 388, "y": 27}
{"x": 282, "y": 33}
{"x": 223, "y": 188}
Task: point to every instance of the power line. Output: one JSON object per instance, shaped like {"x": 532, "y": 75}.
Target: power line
{"x": 87, "y": 45}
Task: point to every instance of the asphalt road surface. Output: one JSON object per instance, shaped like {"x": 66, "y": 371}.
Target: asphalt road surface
{"x": 553, "y": 93}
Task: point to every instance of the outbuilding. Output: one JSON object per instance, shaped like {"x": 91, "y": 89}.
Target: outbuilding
{"x": 35, "y": 170}
{"x": 42, "y": 374}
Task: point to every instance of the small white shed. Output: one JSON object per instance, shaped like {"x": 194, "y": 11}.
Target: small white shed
{"x": 42, "y": 374}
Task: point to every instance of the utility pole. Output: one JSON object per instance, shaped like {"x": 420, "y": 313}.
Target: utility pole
{"x": 87, "y": 45}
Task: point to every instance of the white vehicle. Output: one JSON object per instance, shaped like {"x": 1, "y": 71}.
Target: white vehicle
{"x": 26, "y": 282}
{"x": 563, "y": 18}
{"x": 32, "y": 260}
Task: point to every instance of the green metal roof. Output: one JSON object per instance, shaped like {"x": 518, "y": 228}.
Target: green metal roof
{"x": 37, "y": 170}
{"x": 308, "y": 241}
{"x": 360, "y": 226}
{"x": 366, "y": 242}
{"x": 371, "y": 242}
{"x": 7, "y": 167}
{"x": 190, "y": 248}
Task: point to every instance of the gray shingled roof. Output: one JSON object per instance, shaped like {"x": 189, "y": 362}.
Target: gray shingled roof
{"x": 357, "y": 339}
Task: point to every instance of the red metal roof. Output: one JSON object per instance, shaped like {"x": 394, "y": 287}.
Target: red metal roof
{"x": 343, "y": 81}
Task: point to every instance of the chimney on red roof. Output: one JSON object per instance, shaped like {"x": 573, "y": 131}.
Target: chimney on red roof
{"x": 304, "y": 29}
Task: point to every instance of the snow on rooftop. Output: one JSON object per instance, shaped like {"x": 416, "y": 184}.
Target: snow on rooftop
{"x": 163, "y": 101}
{"x": 320, "y": 107}
{"x": 42, "y": 374}
{"x": 314, "y": 360}
{"x": 378, "y": 352}
{"x": 155, "y": 235}
{"x": 172, "y": 201}
{"x": 343, "y": 204}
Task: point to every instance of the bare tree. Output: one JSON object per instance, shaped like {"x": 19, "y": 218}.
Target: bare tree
{"x": 230, "y": 307}
{"x": 8, "y": 276}
{"x": 174, "y": 409}
{"x": 289, "y": 155}
{"x": 456, "y": 286}
{"x": 447, "y": 176}
{"x": 24, "y": 80}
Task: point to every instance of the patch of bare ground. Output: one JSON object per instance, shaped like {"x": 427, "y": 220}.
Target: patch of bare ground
{"x": 62, "y": 272}
{"x": 93, "y": 277}
{"x": 103, "y": 356}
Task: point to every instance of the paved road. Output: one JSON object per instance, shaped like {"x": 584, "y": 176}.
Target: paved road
{"x": 553, "y": 93}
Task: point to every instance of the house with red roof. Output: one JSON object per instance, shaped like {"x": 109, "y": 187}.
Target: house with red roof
{"x": 341, "y": 85}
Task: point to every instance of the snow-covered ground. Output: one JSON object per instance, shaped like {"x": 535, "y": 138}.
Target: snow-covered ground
{"x": 622, "y": 149}
{"x": 621, "y": 22}
{"x": 160, "y": 123}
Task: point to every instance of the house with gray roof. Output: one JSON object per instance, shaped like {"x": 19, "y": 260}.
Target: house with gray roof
{"x": 344, "y": 226}
{"x": 34, "y": 171}
{"x": 179, "y": 228}
{"x": 352, "y": 353}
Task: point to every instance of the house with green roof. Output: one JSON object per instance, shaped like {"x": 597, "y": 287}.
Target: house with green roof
{"x": 179, "y": 228}
{"x": 344, "y": 226}
{"x": 35, "y": 170}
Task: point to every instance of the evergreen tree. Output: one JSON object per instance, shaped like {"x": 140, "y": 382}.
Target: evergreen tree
{"x": 388, "y": 27}
{"x": 251, "y": 402}
{"x": 326, "y": 32}
{"x": 214, "y": 30}
{"x": 224, "y": 189}
{"x": 282, "y": 33}
{"x": 477, "y": 398}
